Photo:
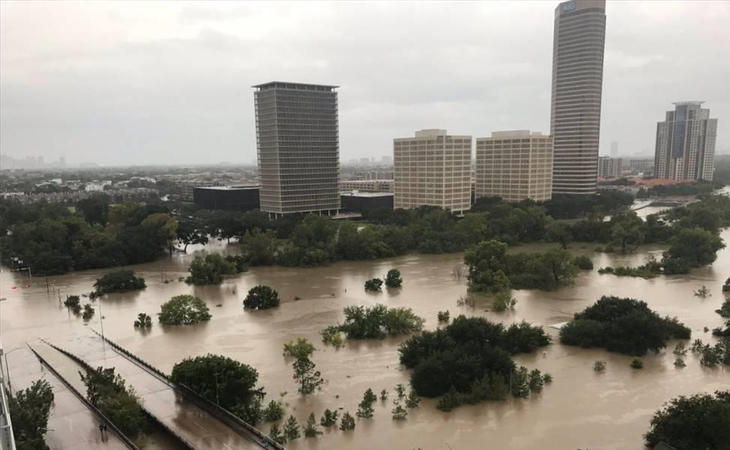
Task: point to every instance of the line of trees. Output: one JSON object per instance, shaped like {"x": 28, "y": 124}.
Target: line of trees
{"x": 693, "y": 235}
{"x": 54, "y": 239}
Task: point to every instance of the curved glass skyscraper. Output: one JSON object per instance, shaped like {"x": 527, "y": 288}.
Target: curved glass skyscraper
{"x": 575, "y": 118}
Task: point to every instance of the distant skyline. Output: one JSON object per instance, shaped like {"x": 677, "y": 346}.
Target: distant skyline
{"x": 170, "y": 83}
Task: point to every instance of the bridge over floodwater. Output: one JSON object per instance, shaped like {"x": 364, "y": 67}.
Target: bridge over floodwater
{"x": 195, "y": 421}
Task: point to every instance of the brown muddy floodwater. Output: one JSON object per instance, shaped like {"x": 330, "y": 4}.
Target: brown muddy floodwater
{"x": 580, "y": 409}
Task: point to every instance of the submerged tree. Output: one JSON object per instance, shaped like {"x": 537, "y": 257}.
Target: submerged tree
{"x": 261, "y": 297}
{"x": 273, "y": 412}
{"x": 348, "y": 422}
{"x": 276, "y": 435}
{"x": 399, "y": 413}
{"x": 308, "y": 378}
{"x": 329, "y": 418}
{"x": 291, "y": 429}
{"x": 374, "y": 285}
{"x": 224, "y": 381}
{"x": 393, "y": 279}
{"x": 143, "y": 321}
{"x": 118, "y": 281}
{"x": 88, "y": 312}
{"x": 184, "y": 310}
{"x": 365, "y": 408}
{"x": 300, "y": 348}
{"x": 311, "y": 430}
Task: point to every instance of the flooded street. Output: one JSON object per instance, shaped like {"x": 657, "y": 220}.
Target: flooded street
{"x": 580, "y": 409}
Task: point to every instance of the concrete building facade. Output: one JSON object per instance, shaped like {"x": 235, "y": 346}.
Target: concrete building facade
{"x": 376, "y": 185}
{"x": 575, "y": 119}
{"x": 514, "y": 165}
{"x": 432, "y": 169}
{"x": 609, "y": 167}
{"x": 297, "y": 140}
{"x": 685, "y": 143}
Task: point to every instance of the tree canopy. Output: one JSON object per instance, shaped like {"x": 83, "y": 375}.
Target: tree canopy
{"x": 209, "y": 269}
{"x": 701, "y": 421}
{"x": 183, "y": 310}
{"x": 464, "y": 352}
{"x": 106, "y": 390}
{"x": 492, "y": 270}
{"x": 118, "y": 281}
{"x": 261, "y": 297}
{"x": 224, "y": 381}
{"x": 622, "y": 325}
{"x": 29, "y": 410}
{"x": 51, "y": 239}
{"x": 378, "y": 321}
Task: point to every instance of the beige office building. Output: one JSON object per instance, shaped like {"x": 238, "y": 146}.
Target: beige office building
{"x": 515, "y": 165}
{"x": 432, "y": 169}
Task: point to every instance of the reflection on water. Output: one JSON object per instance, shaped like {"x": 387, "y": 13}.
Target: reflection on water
{"x": 581, "y": 409}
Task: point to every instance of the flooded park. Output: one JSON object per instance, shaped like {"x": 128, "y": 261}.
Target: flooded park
{"x": 580, "y": 409}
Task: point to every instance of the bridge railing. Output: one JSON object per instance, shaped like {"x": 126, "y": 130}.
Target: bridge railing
{"x": 87, "y": 366}
{"x": 213, "y": 409}
{"x": 128, "y": 442}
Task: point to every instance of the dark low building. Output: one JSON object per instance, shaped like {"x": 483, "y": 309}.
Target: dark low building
{"x": 239, "y": 198}
{"x": 366, "y": 201}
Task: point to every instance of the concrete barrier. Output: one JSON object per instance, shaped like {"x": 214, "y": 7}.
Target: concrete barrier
{"x": 86, "y": 366}
{"x": 128, "y": 442}
{"x": 211, "y": 408}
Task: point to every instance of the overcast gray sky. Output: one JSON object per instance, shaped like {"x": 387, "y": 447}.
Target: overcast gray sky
{"x": 170, "y": 83}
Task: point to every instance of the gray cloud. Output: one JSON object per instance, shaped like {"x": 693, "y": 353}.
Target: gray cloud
{"x": 139, "y": 83}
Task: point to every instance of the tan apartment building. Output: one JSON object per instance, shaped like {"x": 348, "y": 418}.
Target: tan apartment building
{"x": 515, "y": 165}
{"x": 432, "y": 169}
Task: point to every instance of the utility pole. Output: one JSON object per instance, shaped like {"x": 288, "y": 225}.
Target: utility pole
{"x": 101, "y": 323}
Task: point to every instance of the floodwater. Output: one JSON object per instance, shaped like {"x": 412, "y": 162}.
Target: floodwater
{"x": 580, "y": 409}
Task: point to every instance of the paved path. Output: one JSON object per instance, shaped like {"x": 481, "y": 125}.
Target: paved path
{"x": 193, "y": 424}
{"x": 71, "y": 425}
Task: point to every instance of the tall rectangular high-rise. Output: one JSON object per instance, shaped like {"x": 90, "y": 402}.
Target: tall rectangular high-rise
{"x": 297, "y": 141}
{"x": 685, "y": 143}
{"x": 609, "y": 167}
{"x": 515, "y": 166}
{"x": 432, "y": 169}
{"x": 575, "y": 118}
